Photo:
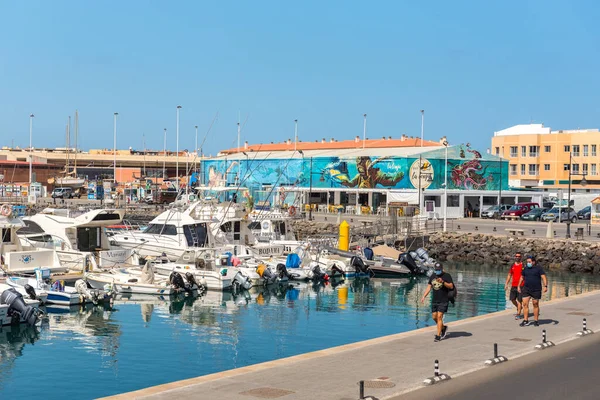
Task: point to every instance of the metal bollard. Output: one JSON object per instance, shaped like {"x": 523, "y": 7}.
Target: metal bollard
{"x": 543, "y": 336}
{"x": 476, "y": 228}
{"x": 436, "y": 368}
{"x": 458, "y": 227}
{"x": 361, "y": 390}
{"x": 494, "y": 229}
{"x": 495, "y": 350}
{"x": 584, "y": 325}
{"x": 533, "y": 231}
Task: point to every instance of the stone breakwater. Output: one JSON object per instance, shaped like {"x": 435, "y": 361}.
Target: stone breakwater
{"x": 306, "y": 229}
{"x": 574, "y": 256}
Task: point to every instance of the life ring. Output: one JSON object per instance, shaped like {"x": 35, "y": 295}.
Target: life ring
{"x": 292, "y": 211}
{"x": 6, "y": 210}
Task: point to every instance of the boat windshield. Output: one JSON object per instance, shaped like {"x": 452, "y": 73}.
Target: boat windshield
{"x": 161, "y": 229}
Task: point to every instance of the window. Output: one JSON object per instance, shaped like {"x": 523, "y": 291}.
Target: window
{"x": 533, "y": 169}
{"x": 513, "y": 170}
{"x": 593, "y": 150}
{"x": 567, "y": 148}
{"x": 161, "y": 229}
{"x": 534, "y": 151}
{"x": 593, "y": 172}
{"x": 513, "y": 151}
{"x": 453, "y": 200}
{"x": 546, "y": 167}
{"x": 522, "y": 169}
{"x": 523, "y": 151}
{"x": 585, "y": 150}
{"x": 575, "y": 168}
{"x": 547, "y": 149}
{"x": 585, "y": 169}
{"x": 497, "y": 150}
{"x": 575, "y": 150}
{"x": 566, "y": 167}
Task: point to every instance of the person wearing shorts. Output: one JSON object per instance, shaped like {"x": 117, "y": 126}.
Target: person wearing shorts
{"x": 514, "y": 276}
{"x": 533, "y": 277}
{"x": 440, "y": 283}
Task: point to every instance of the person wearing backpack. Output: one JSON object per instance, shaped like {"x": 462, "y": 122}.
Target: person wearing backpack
{"x": 440, "y": 285}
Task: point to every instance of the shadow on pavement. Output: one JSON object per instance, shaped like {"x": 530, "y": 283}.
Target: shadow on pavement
{"x": 548, "y": 321}
{"x": 451, "y": 335}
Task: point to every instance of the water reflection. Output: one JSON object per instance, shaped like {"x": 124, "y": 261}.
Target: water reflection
{"x": 219, "y": 331}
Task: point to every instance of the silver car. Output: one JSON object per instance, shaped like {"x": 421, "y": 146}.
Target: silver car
{"x": 494, "y": 212}
{"x": 565, "y": 215}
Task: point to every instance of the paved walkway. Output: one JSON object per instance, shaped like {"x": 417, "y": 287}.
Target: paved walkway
{"x": 402, "y": 361}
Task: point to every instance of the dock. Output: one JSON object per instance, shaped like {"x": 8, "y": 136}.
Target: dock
{"x": 391, "y": 365}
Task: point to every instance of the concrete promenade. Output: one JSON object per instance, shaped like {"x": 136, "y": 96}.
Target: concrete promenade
{"x": 392, "y": 365}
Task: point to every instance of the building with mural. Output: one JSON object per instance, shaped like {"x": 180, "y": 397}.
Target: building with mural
{"x": 359, "y": 175}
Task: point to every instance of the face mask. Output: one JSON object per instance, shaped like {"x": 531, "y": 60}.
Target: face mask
{"x": 438, "y": 273}
{"x": 529, "y": 265}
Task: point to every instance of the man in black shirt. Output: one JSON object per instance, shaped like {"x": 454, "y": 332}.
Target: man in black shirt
{"x": 441, "y": 283}
{"x": 533, "y": 275}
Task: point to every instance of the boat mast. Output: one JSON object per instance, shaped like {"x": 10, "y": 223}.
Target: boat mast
{"x": 68, "y": 144}
{"x": 76, "y": 134}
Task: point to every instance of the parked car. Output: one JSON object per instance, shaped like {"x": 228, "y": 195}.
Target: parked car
{"x": 62, "y": 193}
{"x": 534, "y": 215}
{"x": 519, "y": 209}
{"x": 585, "y": 213}
{"x": 149, "y": 199}
{"x": 565, "y": 215}
{"x": 167, "y": 196}
{"x": 494, "y": 211}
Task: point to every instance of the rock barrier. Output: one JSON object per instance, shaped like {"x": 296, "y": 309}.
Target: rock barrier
{"x": 567, "y": 255}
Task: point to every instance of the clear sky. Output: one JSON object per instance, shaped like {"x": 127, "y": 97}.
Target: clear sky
{"x": 474, "y": 66}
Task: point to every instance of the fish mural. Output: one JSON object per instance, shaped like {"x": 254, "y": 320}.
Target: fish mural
{"x": 467, "y": 169}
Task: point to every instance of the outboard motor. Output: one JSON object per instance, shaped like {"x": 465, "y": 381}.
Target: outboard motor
{"x": 17, "y": 308}
{"x": 408, "y": 261}
{"x": 178, "y": 283}
{"x": 282, "y": 272}
{"x": 31, "y": 292}
{"x": 241, "y": 281}
{"x": 319, "y": 275}
{"x": 86, "y": 293}
{"x": 192, "y": 283}
{"x": 264, "y": 272}
{"x": 359, "y": 265}
{"x": 335, "y": 270}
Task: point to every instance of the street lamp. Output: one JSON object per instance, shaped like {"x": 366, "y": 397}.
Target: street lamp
{"x": 445, "y": 143}
{"x": 177, "y": 148}
{"x": 115, "y": 147}
{"x": 165, "y": 155}
{"x": 583, "y": 182}
{"x": 196, "y": 153}
{"x": 30, "y": 150}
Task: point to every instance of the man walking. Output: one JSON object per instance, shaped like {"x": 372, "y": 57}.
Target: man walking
{"x": 514, "y": 275}
{"x": 441, "y": 283}
{"x": 533, "y": 276}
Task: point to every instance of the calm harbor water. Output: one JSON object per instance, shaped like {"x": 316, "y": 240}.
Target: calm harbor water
{"x": 140, "y": 342}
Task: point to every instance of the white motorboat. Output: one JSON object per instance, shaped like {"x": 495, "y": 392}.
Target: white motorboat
{"x": 139, "y": 281}
{"x": 14, "y": 309}
{"x": 57, "y": 292}
{"x": 207, "y": 269}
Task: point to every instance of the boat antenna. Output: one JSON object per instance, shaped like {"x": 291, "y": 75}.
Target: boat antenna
{"x": 76, "y": 135}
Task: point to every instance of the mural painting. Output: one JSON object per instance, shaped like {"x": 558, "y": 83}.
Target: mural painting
{"x": 467, "y": 170}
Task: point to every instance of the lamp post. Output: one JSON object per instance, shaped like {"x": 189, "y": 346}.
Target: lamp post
{"x": 583, "y": 182}
{"x": 422, "y": 125}
{"x": 165, "y": 155}
{"x": 115, "y": 147}
{"x": 310, "y": 192}
{"x": 295, "y": 134}
{"x": 196, "y": 153}
{"x": 30, "y": 150}
{"x": 364, "y": 129}
{"x": 445, "y": 184}
{"x": 177, "y": 148}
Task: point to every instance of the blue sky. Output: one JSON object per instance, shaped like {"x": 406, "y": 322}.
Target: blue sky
{"x": 475, "y": 67}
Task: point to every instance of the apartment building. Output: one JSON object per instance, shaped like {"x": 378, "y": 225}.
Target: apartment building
{"x": 539, "y": 157}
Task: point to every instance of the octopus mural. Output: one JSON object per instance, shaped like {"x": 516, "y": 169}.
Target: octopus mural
{"x": 368, "y": 176}
{"x": 470, "y": 174}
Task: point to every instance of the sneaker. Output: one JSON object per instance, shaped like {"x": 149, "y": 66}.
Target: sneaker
{"x": 444, "y": 329}
{"x": 525, "y": 323}
{"x": 436, "y": 338}
{"x": 517, "y": 316}
{"x": 536, "y": 323}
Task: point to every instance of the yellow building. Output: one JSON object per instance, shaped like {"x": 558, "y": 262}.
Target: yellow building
{"x": 539, "y": 157}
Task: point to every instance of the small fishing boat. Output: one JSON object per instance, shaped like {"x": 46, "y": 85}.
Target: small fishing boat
{"x": 144, "y": 281}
